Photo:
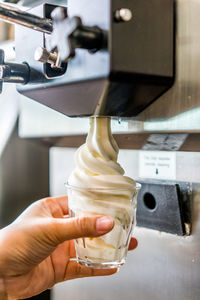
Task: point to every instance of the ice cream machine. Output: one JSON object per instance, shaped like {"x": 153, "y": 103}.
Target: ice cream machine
{"x": 137, "y": 60}
{"x": 95, "y": 57}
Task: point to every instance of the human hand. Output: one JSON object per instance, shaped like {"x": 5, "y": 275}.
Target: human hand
{"x": 36, "y": 249}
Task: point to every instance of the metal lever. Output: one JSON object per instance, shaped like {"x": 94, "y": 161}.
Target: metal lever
{"x": 69, "y": 34}
{"x": 11, "y": 72}
{"x": 66, "y": 34}
{"x": 12, "y": 14}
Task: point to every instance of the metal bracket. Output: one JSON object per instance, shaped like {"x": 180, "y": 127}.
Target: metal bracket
{"x": 165, "y": 206}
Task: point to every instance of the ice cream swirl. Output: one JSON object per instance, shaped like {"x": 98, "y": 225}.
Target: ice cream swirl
{"x": 96, "y": 160}
{"x": 98, "y": 186}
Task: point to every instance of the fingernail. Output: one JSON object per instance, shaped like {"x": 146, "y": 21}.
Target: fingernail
{"x": 104, "y": 224}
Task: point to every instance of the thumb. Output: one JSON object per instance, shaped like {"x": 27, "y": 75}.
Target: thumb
{"x": 73, "y": 228}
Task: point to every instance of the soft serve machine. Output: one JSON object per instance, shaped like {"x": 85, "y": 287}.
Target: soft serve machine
{"x": 138, "y": 62}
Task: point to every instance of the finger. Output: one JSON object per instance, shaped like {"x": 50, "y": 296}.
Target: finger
{"x": 56, "y": 206}
{"x": 73, "y": 228}
{"x": 62, "y": 201}
{"x": 75, "y": 270}
{"x": 133, "y": 244}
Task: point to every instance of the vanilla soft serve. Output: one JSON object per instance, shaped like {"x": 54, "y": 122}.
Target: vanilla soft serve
{"x": 100, "y": 187}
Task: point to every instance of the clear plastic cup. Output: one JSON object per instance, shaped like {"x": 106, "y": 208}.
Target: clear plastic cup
{"x": 110, "y": 250}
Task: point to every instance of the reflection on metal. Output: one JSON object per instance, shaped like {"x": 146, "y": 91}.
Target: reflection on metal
{"x": 14, "y": 15}
{"x": 34, "y": 3}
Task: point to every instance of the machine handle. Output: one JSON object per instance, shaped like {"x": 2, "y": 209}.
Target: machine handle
{"x": 66, "y": 34}
{"x": 13, "y": 14}
{"x": 11, "y": 72}
{"x": 69, "y": 33}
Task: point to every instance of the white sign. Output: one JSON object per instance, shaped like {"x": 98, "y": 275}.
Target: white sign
{"x": 157, "y": 165}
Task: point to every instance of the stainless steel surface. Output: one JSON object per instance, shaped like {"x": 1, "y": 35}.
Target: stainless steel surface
{"x": 149, "y": 60}
{"x": 33, "y": 3}
{"x": 179, "y": 108}
{"x": 176, "y": 111}
{"x": 164, "y": 266}
{"x": 14, "y": 15}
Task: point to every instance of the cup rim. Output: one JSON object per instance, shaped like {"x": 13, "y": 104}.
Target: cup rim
{"x": 136, "y": 188}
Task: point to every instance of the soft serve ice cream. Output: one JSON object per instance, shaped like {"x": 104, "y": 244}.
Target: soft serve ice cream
{"x": 98, "y": 186}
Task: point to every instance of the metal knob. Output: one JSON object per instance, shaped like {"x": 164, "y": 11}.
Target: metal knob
{"x": 123, "y": 15}
{"x": 44, "y": 56}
